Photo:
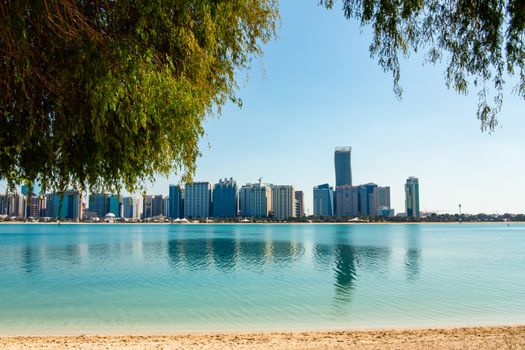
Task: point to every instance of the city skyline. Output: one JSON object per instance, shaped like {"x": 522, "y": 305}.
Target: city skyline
{"x": 338, "y": 95}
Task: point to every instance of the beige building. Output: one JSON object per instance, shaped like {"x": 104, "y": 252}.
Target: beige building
{"x": 283, "y": 201}
{"x": 255, "y": 200}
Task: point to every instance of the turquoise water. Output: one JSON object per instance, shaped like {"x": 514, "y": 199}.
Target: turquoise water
{"x": 157, "y": 278}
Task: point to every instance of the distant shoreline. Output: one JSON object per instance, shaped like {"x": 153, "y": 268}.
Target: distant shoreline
{"x": 271, "y": 223}
{"x": 492, "y": 337}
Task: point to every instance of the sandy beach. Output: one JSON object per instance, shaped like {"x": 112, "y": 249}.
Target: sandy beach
{"x": 501, "y": 337}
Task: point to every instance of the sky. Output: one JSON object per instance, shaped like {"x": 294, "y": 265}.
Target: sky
{"x": 316, "y": 88}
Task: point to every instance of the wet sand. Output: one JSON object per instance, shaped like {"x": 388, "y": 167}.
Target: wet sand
{"x": 502, "y": 337}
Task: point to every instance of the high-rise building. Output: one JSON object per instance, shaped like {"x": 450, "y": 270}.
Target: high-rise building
{"x": 63, "y": 205}
{"x": 14, "y": 205}
{"x": 114, "y": 202}
{"x": 105, "y": 203}
{"x": 37, "y": 206}
{"x": 132, "y": 207}
{"x": 197, "y": 200}
{"x": 323, "y": 200}
{"x": 255, "y": 200}
{"x": 299, "y": 203}
{"x": 176, "y": 202}
{"x": 4, "y": 204}
{"x": 368, "y": 194}
{"x": 283, "y": 201}
{"x": 347, "y": 198}
{"x": 98, "y": 203}
{"x": 50, "y": 205}
{"x": 343, "y": 166}
{"x": 225, "y": 199}
{"x": 153, "y": 206}
{"x": 383, "y": 197}
{"x": 412, "y": 197}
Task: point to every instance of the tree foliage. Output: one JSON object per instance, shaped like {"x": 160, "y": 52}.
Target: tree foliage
{"x": 107, "y": 94}
{"x": 481, "y": 41}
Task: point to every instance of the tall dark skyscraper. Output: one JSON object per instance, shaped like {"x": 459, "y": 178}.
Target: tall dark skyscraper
{"x": 412, "y": 197}
{"x": 343, "y": 166}
{"x": 176, "y": 204}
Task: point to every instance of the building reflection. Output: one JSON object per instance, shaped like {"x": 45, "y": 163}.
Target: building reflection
{"x": 224, "y": 253}
{"x": 30, "y": 259}
{"x": 413, "y": 252}
{"x": 348, "y": 262}
{"x": 228, "y": 254}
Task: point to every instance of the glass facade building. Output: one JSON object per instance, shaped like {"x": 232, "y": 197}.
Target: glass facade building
{"x": 69, "y": 208}
{"x": 105, "y": 203}
{"x": 197, "y": 200}
{"x": 114, "y": 202}
{"x": 225, "y": 199}
{"x": 153, "y": 206}
{"x": 323, "y": 200}
{"x": 412, "y": 197}
{"x": 347, "y": 198}
{"x": 368, "y": 195}
{"x": 343, "y": 166}
{"x": 175, "y": 202}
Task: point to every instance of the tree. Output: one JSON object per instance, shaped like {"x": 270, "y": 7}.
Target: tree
{"x": 107, "y": 94}
{"x": 481, "y": 40}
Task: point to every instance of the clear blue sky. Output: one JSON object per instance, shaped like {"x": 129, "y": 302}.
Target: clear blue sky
{"x": 316, "y": 88}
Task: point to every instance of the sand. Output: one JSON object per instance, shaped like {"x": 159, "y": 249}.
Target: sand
{"x": 504, "y": 337}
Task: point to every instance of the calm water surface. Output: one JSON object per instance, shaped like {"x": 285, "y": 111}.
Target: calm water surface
{"x": 177, "y": 278}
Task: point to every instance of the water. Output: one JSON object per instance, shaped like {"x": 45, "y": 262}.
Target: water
{"x": 155, "y": 278}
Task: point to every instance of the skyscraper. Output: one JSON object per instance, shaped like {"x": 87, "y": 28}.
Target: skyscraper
{"x": 282, "y": 201}
{"x": 114, "y": 201}
{"x": 412, "y": 197}
{"x": 176, "y": 208}
{"x": 153, "y": 206}
{"x": 132, "y": 208}
{"x": 368, "y": 195}
{"x": 343, "y": 166}
{"x": 104, "y": 203}
{"x": 37, "y": 206}
{"x": 197, "y": 200}
{"x": 299, "y": 203}
{"x": 347, "y": 198}
{"x": 14, "y": 205}
{"x": 225, "y": 199}
{"x": 383, "y": 197}
{"x": 323, "y": 200}
{"x": 255, "y": 200}
{"x": 98, "y": 203}
{"x": 69, "y": 208}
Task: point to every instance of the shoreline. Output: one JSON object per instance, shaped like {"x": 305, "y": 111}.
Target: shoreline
{"x": 272, "y": 223}
{"x": 489, "y": 337}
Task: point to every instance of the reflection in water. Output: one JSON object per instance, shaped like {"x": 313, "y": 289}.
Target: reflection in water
{"x": 345, "y": 270}
{"x": 175, "y": 253}
{"x": 347, "y": 261}
{"x": 224, "y": 253}
{"x": 322, "y": 256}
{"x": 72, "y": 254}
{"x": 30, "y": 259}
{"x": 413, "y": 253}
{"x": 228, "y": 253}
